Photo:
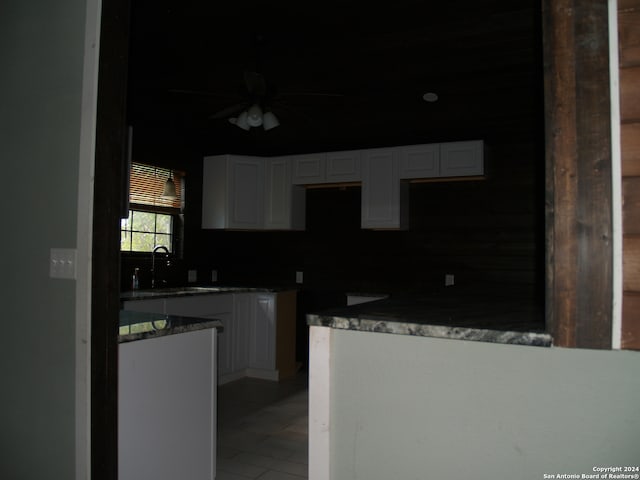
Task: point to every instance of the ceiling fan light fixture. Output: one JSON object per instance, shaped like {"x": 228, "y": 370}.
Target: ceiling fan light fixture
{"x": 254, "y": 116}
{"x": 243, "y": 121}
{"x": 430, "y": 97}
{"x": 269, "y": 121}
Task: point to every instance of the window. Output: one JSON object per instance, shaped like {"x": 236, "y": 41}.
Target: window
{"x": 142, "y": 231}
{"x": 153, "y": 218}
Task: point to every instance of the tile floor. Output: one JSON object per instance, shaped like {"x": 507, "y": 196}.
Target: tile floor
{"x": 262, "y": 430}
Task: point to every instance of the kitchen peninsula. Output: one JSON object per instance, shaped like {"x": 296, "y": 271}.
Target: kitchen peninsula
{"x": 460, "y": 384}
{"x": 167, "y": 396}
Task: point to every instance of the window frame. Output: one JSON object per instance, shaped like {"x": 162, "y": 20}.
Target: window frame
{"x": 174, "y": 234}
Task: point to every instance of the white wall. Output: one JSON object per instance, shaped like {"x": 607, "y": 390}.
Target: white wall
{"x": 42, "y": 48}
{"x": 423, "y": 408}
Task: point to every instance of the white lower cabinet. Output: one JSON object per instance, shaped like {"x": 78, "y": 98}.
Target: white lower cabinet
{"x": 225, "y": 349}
{"x": 202, "y": 306}
{"x": 258, "y": 334}
{"x": 262, "y": 331}
{"x": 155, "y": 305}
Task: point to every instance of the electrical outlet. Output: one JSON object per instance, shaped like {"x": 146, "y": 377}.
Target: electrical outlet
{"x": 214, "y": 275}
{"x": 299, "y": 277}
{"x": 449, "y": 280}
{"x": 192, "y": 276}
{"x": 62, "y": 263}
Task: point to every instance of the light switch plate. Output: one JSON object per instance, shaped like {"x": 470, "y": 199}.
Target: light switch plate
{"x": 299, "y": 277}
{"x": 214, "y": 275}
{"x": 62, "y": 263}
{"x": 449, "y": 279}
{"x": 192, "y": 276}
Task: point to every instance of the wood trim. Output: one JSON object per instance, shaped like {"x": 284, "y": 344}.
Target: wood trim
{"x": 630, "y": 94}
{"x": 630, "y": 139}
{"x": 332, "y": 185}
{"x": 473, "y": 178}
{"x": 629, "y": 48}
{"x": 631, "y": 205}
{"x": 630, "y": 326}
{"x": 629, "y": 32}
{"x": 578, "y": 185}
{"x": 110, "y": 153}
{"x": 631, "y": 264}
{"x": 286, "y": 333}
{"x": 320, "y": 355}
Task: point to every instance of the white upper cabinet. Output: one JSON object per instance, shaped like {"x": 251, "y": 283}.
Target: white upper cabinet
{"x": 262, "y": 193}
{"x": 284, "y": 202}
{"x": 343, "y": 166}
{"x": 462, "y": 159}
{"x": 233, "y": 192}
{"x": 384, "y": 196}
{"x": 309, "y": 169}
{"x": 330, "y": 167}
{"x": 419, "y": 161}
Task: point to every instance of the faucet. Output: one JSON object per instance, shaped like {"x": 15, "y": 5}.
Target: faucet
{"x": 156, "y": 249}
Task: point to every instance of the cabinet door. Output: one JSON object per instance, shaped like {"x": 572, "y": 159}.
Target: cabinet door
{"x": 204, "y": 306}
{"x": 462, "y": 159}
{"x": 243, "y": 311}
{"x": 284, "y": 202}
{"x": 156, "y": 305}
{"x": 309, "y": 169}
{"x": 215, "y": 198}
{"x": 262, "y": 333}
{"x": 218, "y": 306}
{"x": 246, "y": 192}
{"x": 225, "y": 347}
{"x": 419, "y": 161}
{"x": 384, "y": 197}
{"x": 343, "y": 166}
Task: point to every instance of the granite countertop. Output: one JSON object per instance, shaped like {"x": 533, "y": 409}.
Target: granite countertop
{"x": 194, "y": 290}
{"x": 142, "y": 325}
{"x": 449, "y": 313}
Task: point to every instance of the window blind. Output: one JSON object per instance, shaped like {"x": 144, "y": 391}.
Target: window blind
{"x": 147, "y": 184}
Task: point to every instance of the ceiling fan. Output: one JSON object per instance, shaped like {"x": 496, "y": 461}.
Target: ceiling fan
{"x": 262, "y": 97}
{"x": 256, "y": 110}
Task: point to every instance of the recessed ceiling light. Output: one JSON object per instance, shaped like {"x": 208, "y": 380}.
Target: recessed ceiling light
{"x": 430, "y": 97}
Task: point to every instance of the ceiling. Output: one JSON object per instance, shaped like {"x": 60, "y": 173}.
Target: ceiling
{"x": 346, "y": 75}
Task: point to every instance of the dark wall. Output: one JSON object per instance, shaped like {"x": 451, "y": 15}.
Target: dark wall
{"x": 488, "y": 233}
{"x": 481, "y": 231}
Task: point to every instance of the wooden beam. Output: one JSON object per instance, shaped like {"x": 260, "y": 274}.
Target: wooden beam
{"x": 579, "y": 247}
{"x": 105, "y": 283}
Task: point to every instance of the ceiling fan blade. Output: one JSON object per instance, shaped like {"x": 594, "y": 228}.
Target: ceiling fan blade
{"x": 310, "y": 94}
{"x": 202, "y": 92}
{"x": 229, "y": 111}
{"x": 255, "y": 83}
